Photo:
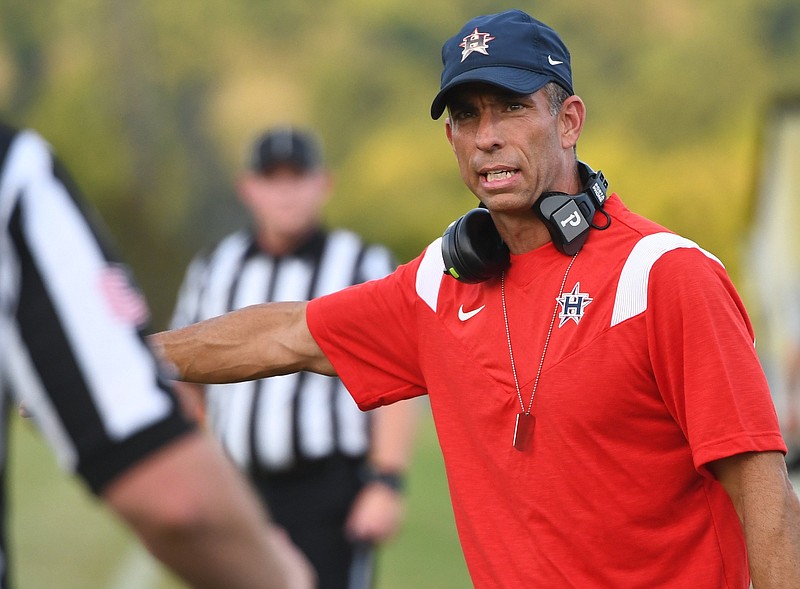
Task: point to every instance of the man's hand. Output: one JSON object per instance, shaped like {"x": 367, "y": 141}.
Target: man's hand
{"x": 376, "y": 514}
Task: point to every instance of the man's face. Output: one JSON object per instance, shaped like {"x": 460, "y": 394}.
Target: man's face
{"x": 285, "y": 201}
{"x": 507, "y": 145}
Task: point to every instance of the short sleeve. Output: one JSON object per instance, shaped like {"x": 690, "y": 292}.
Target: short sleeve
{"x": 369, "y": 333}
{"x": 705, "y": 361}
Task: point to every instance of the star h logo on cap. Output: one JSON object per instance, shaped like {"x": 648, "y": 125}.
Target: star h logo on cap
{"x": 475, "y": 41}
{"x": 520, "y": 55}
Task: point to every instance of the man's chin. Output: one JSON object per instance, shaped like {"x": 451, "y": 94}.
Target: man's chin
{"x": 506, "y": 203}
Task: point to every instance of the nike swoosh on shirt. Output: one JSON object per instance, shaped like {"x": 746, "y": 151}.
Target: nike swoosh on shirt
{"x": 464, "y": 315}
{"x": 553, "y": 61}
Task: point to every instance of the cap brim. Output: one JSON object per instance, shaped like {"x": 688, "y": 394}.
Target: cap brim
{"x": 514, "y": 79}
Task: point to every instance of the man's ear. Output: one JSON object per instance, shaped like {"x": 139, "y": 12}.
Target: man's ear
{"x": 244, "y": 188}
{"x": 571, "y": 119}
{"x": 327, "y": 181}
{"x": 448, "y": 129}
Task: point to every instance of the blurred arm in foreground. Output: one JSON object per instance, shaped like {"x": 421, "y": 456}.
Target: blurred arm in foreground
{"x": 75, "y": 357}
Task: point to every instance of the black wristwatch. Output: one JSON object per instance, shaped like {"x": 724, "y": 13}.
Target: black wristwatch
{"x": 394, "y": 480}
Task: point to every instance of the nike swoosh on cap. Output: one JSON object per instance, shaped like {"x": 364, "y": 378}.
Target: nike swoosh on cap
{"x": 464, "y": 315}
{"x": 553, "y": 61}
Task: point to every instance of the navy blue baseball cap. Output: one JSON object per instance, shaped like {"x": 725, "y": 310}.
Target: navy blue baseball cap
{"x": 510, "y": 49}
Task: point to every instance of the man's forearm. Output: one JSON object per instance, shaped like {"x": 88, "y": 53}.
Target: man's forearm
{"x": 393, "y": 435}
{"x": 769, "y": 511}
{"x": 254, "y": 342}
{"x": 773, "y": 542}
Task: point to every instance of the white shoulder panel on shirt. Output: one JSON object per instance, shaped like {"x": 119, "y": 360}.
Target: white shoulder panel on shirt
{"x": 631, "y": 298}
{"x": 430, "y": 274}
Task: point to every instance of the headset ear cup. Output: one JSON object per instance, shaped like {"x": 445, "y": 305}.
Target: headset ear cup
{"x": 565, "y": 217}
{"x": 472, "y": 248}
{"x": 569, "y": 217}
{"x": 452, "y": 264}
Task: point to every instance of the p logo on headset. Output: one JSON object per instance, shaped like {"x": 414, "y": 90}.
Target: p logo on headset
{"x": 473, "y": 250}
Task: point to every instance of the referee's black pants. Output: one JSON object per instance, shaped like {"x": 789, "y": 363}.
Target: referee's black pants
{"x": 312, "y": 504}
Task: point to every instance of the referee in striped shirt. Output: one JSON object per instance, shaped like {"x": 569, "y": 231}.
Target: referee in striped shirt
{"x": 330, "y": 474}
{"x": 72, "y": 351}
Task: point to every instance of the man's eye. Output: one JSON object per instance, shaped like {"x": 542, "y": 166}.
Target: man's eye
{"x": 515, "y": 106}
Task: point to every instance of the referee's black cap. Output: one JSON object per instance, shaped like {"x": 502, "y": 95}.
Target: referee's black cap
{"x": 286, "y": 146}
{"x": 509, "y": 49}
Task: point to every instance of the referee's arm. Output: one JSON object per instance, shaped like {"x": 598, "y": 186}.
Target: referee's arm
{"x": 194, "y": 513}
{"x": 69, "y": 350}
{"x": 258, "y": 341}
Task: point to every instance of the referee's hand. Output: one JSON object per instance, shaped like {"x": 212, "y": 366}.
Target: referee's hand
{"x": 376, "y": 514}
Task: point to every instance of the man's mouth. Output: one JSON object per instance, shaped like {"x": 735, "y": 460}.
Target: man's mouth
{"x": 498, "y": 175}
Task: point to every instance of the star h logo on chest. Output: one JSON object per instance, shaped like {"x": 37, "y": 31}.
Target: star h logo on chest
{"x": 573, "y": 304}
{"x": 475, "y": 41}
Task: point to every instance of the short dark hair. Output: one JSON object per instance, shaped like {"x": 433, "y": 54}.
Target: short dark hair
{"x": 556, "y": 95}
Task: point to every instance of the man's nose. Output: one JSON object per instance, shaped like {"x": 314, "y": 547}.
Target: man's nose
{"x": 488, "y": 137}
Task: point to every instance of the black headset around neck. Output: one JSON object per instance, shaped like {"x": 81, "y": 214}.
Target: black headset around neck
{"x": 473, "y": 250}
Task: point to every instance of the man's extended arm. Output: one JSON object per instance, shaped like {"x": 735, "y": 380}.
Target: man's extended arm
{"x": 769, "y": 510}
{"x": 254, "y": 342}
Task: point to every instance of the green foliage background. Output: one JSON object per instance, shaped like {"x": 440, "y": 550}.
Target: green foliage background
{"x": 152, "y": 105}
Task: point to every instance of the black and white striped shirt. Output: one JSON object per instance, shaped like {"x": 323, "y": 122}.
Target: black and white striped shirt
{"x": 277, "y": 423}
{"x": 71, "y": 346}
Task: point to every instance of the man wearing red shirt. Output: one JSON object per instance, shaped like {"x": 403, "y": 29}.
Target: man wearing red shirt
{"x": 601, "y": 410}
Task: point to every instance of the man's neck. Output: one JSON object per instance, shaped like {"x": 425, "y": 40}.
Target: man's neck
{"x": 283, "y": 244}
{"x": 521, "y": 234}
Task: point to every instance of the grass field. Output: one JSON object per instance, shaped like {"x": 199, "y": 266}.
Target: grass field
{"x": 63, "y": 539}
